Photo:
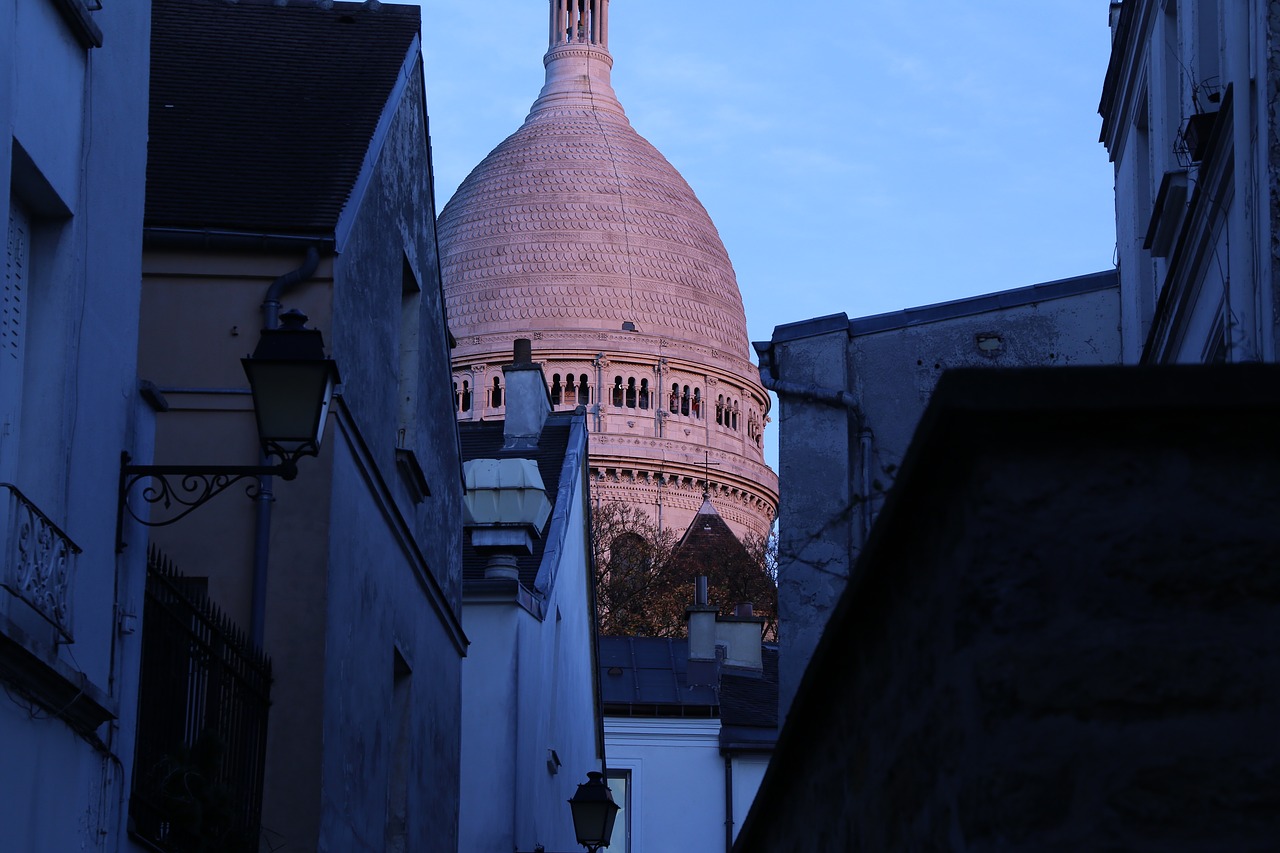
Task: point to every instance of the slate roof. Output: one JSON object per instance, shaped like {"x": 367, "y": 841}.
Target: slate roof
{"x": 484, "y": 440}
{"x": 261, "y": 115}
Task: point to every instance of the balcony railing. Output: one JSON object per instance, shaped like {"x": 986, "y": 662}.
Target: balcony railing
{"x": 39, "y": 559}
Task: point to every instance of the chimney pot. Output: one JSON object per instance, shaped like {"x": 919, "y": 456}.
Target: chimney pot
{"x": 744, "y": 609}
{"x": 523, "y": 351}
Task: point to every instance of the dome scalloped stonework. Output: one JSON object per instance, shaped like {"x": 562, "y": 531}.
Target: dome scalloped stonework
{"x": 576, "y": 217}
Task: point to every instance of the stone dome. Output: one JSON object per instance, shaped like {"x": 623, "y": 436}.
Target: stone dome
{"x": 576, "y": 218}
{"x": 578, "y": 234}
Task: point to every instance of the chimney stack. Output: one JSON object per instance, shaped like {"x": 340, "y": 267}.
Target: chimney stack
{"x": 528, "y": 400}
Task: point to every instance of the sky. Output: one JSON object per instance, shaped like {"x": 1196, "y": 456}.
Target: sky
{"x": 856, "y": 156}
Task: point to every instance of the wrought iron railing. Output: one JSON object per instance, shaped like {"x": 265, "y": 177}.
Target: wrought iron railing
{"x": 202, "y": 722}
{"x": 39, "y": 559}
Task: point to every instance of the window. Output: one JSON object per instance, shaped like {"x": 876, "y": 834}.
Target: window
{"x": 620, "y": 786}
{"x": 395, "y": 838}
{"x": 495, "y": 397}
{"x": 644, "y": 393}
{"x": 556, "y": 389}
{"x": 584, "y": 391}
{"x": 14, "y": 306}
{"x": 466, "y": 396}
{"x": 570, "y": 392}
{"x": 631, "y": 393}
{"x": 410, "y": 326}
{"x": 617, "y": 391}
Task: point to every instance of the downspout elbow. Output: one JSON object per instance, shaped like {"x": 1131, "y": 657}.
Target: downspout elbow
{"x": 271, "y": 302}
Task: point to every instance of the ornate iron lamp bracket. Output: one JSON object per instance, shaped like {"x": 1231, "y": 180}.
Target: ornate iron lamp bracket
{"x": 178, "y": 490}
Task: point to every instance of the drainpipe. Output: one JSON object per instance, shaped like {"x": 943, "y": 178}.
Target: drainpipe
{"x": 262, "y": 529}
{"x": 728, "y": 804}
{"x": 832, "y": 397}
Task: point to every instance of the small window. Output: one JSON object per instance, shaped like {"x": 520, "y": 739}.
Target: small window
{"x": 617, "y": 391}
{"x": 631, "y": 393}
{"x": 466, "y": 396}
{"x": 570, "y": 390}
{"x": 556, "y": 390}
{"x": 620, "y": 786}
{"x": 644, "y": 393}
{"x": 495, "y": 397}
{"x": 584, "y": 390}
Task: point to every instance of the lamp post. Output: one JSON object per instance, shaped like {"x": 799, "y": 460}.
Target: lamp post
{"x": 292, "y": 384}
{"x": 593, "y": 812}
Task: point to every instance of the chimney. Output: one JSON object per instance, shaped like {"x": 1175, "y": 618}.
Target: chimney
{"x": 703, "y": 664}
{"x": 527, "y": 397}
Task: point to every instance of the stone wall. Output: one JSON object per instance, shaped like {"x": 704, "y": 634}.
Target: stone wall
{"x": 1062, "y": 635}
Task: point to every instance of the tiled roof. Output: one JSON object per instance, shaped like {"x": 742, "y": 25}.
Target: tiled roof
{"x": 751, "y": 699}
{"x": 261, "y": 115}
{"x": 484, "y": 440}
{"x": 707, "y": 541}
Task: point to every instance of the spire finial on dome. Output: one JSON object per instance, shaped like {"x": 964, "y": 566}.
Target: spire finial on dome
{"x": 579, "y": 22}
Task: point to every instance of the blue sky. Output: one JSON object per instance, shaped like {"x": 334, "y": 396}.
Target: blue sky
{"x": 856, "y": 156}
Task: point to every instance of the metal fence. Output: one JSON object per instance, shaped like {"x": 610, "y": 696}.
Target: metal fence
{"x": 202, "y": 722}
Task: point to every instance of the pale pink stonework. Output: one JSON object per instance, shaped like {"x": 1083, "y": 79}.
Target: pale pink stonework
{"x": 577, "y": 233}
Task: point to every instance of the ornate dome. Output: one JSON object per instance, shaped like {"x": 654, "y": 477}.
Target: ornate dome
{"x": 575, "y": 218}
{"x": 577, "y": 233}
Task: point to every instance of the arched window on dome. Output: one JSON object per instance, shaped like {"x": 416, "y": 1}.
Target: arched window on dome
{"x": 570, "y": 391}
{"x": 584, "y": 391}
{"x": 674, "y": 406}
{"x": 720, "y": 409}
{"x": 684, "y": 401}
{"x": 556, "y": 390}
{"x": 644, "y": 393}
{"x": 465, "y": 404}
{"x": 631, "y": 392}
{"x": 455, "y": 396}
{"x": 495, "y": 398}
{"x": 617, "y": 391}
{"x": 735, "y": 414}
{"x": 696, "y": 406}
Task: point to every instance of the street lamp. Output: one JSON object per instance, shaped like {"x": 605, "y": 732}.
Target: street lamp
{"x": 292, "y": 384}
{"x": 593, "y": 812}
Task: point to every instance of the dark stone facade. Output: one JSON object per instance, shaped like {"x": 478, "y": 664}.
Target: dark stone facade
{"x": 1063, "y": 632}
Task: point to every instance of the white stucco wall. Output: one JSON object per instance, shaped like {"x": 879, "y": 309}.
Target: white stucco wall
{"x": 73, "y": 124}
{"x": 528, "y": 689}
{"x": 677, "y": 782}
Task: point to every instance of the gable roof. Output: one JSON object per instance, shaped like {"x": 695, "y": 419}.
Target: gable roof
{"x": 484, "y": 440}
{"x": 707, "y": 540}
{"x": 262, "y": 115}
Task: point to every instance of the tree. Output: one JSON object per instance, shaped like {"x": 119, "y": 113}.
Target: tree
{"x": 645, "y": 575}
